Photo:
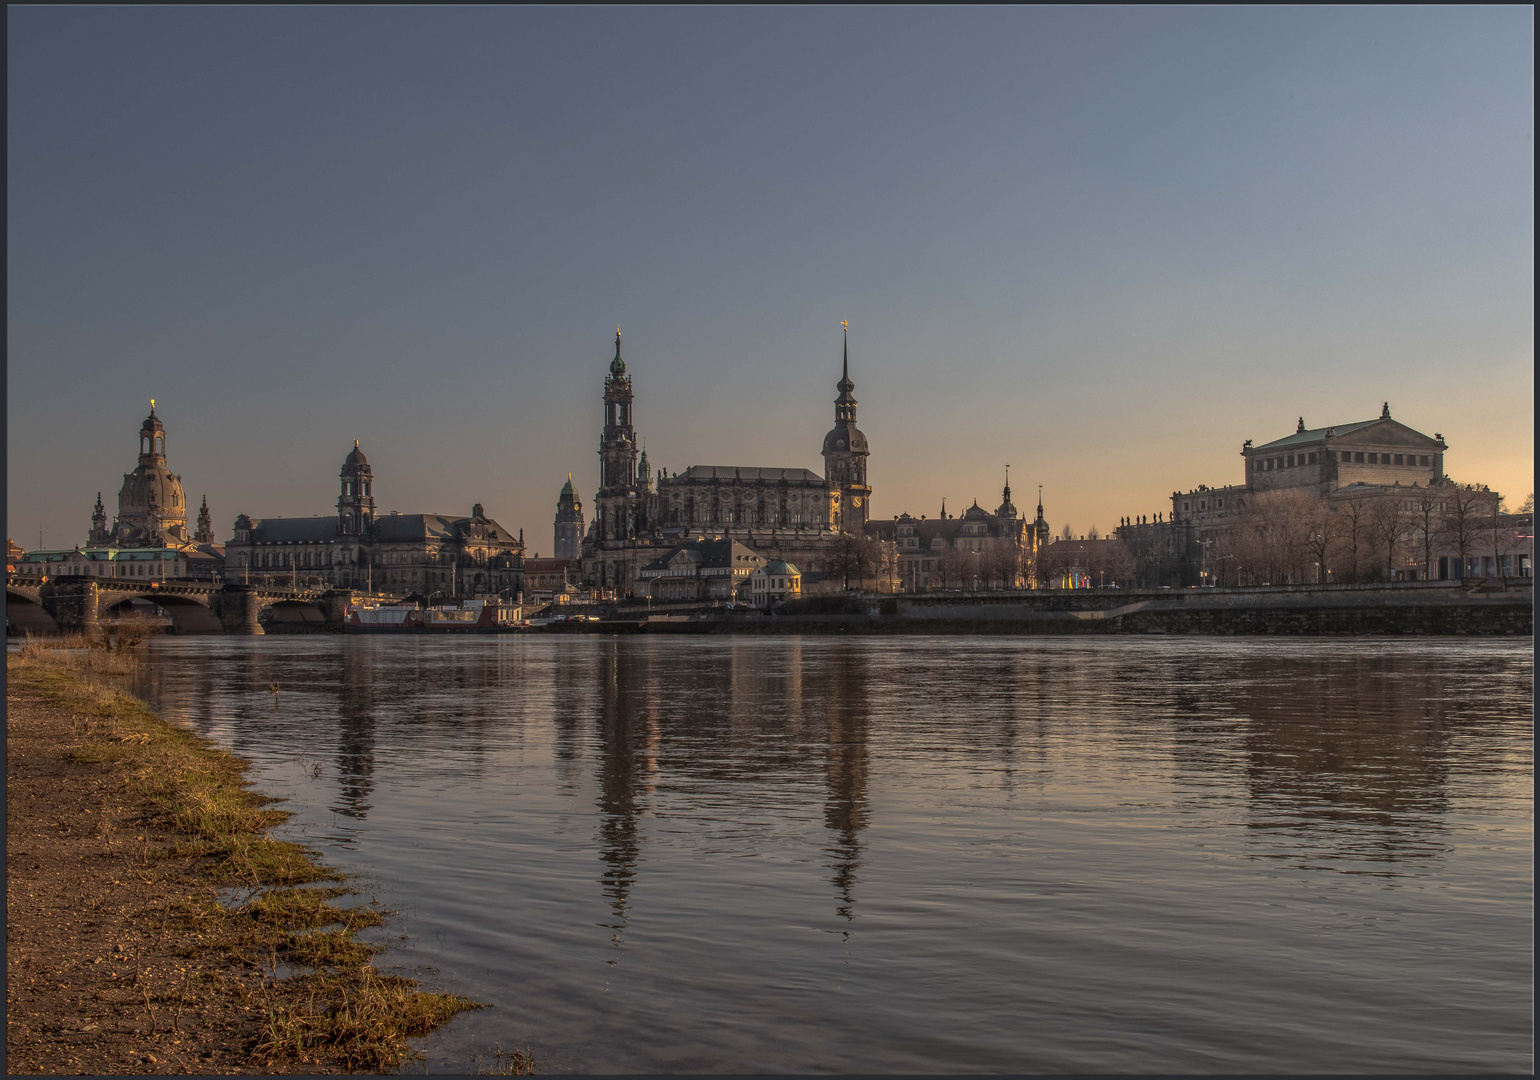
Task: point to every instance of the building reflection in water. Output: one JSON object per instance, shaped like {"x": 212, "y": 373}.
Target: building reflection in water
{"x": 621, "y": 673}
{"x": 355, "y": 731}
{"x": 1345, "y": 759}
{"x": 846, "y": 705}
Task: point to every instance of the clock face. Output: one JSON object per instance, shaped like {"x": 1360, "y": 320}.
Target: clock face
{"x": 856, "y": 500}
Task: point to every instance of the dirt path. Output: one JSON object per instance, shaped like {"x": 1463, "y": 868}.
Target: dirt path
{"x": 122, "y": 832}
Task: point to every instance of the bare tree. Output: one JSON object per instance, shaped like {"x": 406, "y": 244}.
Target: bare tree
{"x": 1066, "y": 533}
{"x": 846, "y": 558}
{"x": 952, "y": 566}
{"x": 1500, "y": 533}
{"x": 886, "y": 564}
{"x": 1110, "y": 562}
{"x": 1427, "y": 509}
{"x": 1353, "y": 535}
{"x": 1061, "y": 558}
{"x": 1389, "y": 527}
{"x": 1463, "y": 519}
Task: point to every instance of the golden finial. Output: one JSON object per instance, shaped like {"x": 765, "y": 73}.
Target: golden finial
{"x": 617, "y": 331}
{"x": 846, "y": 324}
{"x": 152, "y": 404}
{"x": 355, "y": 444}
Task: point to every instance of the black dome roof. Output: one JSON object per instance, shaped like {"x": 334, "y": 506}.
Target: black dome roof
{"x": 835, "y": 442}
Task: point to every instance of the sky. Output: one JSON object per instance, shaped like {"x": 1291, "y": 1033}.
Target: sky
{"x": 1104, "y": 246}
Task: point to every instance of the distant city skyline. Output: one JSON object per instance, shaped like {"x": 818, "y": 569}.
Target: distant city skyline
{"x": 1105, "y": 246}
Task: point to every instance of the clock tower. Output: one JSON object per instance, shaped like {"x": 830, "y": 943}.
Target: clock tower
{"x": 844, "y": 456}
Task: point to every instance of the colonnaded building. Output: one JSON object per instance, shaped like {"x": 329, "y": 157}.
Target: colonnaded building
{"x": 1364, "y": 458}
{"x": 425, "y": 555}
{"x": 148, "y": 537}
{"x": 790, "y": 514}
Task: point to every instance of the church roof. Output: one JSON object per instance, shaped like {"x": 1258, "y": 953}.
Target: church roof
{"x": 321, "y": 530}
{"x": 1397, "y": 432}
{"x": 747, "y": 472}
{"x": 307, "y": 530}
{"x": 1309, "y": 435}
{"x": 431, "y": 526}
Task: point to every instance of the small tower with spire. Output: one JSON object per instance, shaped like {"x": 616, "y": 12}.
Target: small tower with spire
{"x": 1007, "y": 508}
{"x": 205, "y": 531}
{"x": 100, "y": 534}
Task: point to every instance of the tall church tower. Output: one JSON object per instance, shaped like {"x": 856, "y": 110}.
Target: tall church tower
{"x": 569, "y": 523}
{"x": 845, "y": 454}
{"x": 355, "y": 504}
{"x": 616, "y": 505}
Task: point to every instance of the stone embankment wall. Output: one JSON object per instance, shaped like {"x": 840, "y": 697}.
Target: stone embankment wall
{"x": 1490, "y": 608}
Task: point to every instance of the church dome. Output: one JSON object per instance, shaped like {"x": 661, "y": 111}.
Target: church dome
{"x": 845, "y": 440}
{"x": 151, "y": 488}
{"x": 355, "y": 456}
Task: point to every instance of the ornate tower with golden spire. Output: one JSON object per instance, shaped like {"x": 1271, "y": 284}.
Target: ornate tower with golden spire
{"x": 845, "y": 453}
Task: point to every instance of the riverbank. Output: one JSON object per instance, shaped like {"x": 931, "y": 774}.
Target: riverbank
{"x": 127, "y": 838}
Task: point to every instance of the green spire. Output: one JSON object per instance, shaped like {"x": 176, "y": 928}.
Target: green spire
{"x": 617, "y": 365}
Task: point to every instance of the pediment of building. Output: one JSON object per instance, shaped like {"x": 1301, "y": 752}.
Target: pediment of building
{"x": 1386, "y": 433}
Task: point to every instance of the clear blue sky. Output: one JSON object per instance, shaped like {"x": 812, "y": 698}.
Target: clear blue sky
{"x": 1105, "y": 245}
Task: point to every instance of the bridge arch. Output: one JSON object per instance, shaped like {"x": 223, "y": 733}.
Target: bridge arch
{"x": 292, "y": 614}
{"x": 188, "y": 614}
{"x": 24, "y": 614}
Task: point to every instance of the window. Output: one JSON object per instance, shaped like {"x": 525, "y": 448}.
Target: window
{"x": 1398, "y": 460}
{"x": 1290, "y": 462}
{"x": 1358, "y": 457}
{"x": 1423, "y": 460}
{"x": 1311, "y": 461}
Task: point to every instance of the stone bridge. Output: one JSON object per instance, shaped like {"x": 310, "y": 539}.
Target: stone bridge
{"x": 81, "y": 604}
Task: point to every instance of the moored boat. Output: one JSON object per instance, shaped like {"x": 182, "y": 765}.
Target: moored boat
{"x": 468, "y": 616}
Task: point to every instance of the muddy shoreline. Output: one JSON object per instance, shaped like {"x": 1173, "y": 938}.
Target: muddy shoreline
{"x": 126, "y": 839}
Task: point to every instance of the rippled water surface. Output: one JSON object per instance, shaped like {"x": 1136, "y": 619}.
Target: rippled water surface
{"x": 924, "y": 855}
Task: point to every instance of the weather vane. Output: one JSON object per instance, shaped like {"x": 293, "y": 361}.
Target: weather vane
{"x": 846, "y": 324}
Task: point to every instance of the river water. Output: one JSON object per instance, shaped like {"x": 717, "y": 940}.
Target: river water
{"x": 781, "y": 854}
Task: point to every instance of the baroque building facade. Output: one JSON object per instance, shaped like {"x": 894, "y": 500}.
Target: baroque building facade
{"x": 148, "y": 537}
{"x": 981, "y": 548}
{"x": 430, "y": 556}
{"x": 1188, "y": 545}
{"x": 791, "y": 514}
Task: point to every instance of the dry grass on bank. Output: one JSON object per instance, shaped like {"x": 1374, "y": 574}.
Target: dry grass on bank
{"x": 201, "y": 830}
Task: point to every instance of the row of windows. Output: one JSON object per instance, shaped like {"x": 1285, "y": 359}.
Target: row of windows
{"x": 1356, "y": 457}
